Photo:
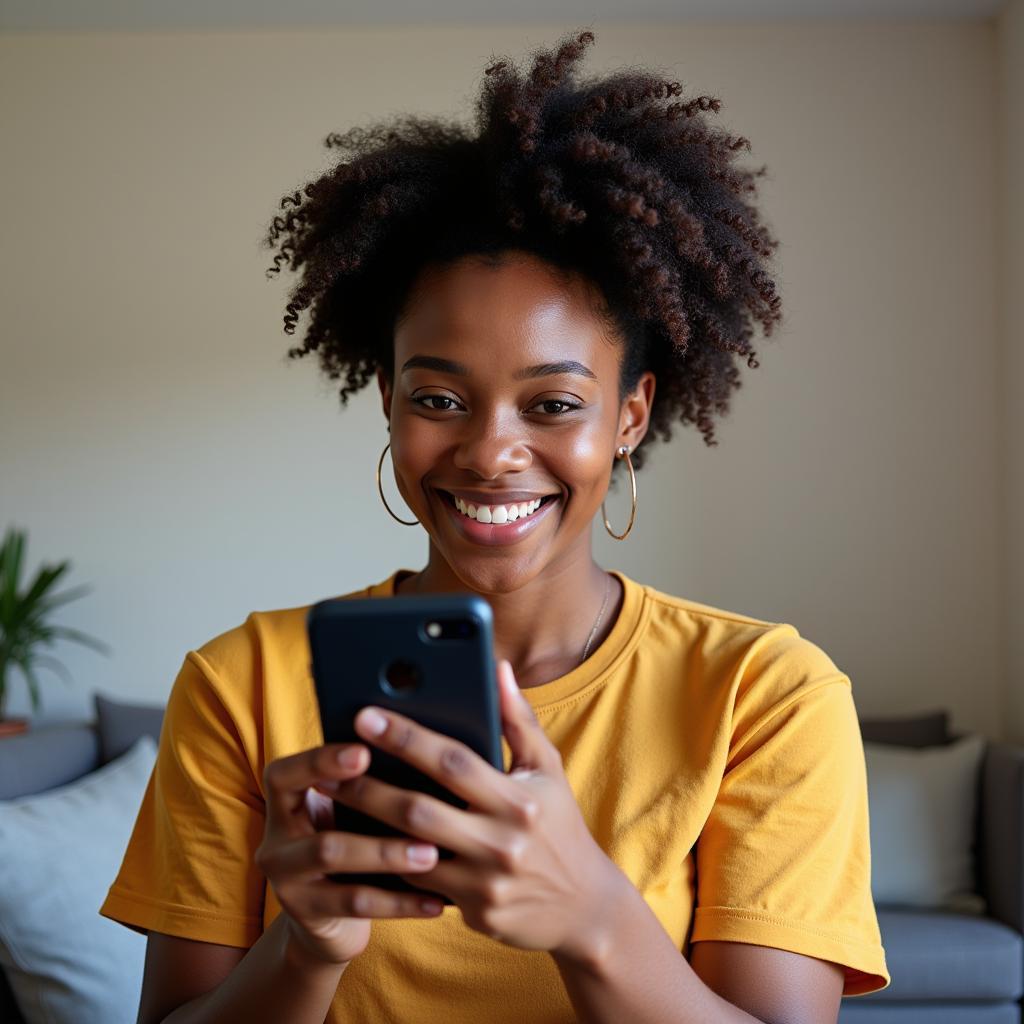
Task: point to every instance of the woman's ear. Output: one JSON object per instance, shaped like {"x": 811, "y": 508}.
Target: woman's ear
{"x": 385, "y": 392}
{"x": 635, "y": 414}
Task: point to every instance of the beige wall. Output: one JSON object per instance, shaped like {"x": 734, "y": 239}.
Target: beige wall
{"x": 154, "y": 433}
{"x": 1010, "y": 395}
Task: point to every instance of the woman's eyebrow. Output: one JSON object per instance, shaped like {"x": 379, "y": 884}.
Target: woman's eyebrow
{"x": 550, "y": 369}
{"x": 540, "y": 370}
{"x": 435, "y": 363}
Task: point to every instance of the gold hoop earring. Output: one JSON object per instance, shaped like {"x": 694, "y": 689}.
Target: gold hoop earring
{"x": 380, "y": 491}
{"x": 623, "y": 453}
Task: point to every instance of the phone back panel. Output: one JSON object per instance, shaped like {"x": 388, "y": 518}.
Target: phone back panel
{"x": 445, "y": 683}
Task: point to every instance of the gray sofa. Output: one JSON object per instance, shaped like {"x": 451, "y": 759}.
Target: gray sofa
{"x": 952, "y": 968}
{"x": 947, "y": 968}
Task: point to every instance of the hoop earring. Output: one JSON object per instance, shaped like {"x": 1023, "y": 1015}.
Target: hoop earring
{"x": 380, "y": 491}
{"x": 623, "y": 453}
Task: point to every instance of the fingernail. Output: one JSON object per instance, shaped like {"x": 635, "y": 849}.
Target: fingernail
{"x": 420, "y": 853}
{"x": 372, "y": 722}
{"x": 350, "y": 758}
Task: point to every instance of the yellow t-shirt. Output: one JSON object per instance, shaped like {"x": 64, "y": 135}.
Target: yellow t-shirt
{"x": 716, "y": 758}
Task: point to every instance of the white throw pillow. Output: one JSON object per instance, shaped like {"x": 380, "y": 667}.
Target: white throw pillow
{"x": 923, "y": 806}
{"x": 58, "y": 853}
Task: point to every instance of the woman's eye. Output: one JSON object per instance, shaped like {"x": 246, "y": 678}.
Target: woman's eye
{"x": 555, "y": 406}
{"x": 427, "y": 400}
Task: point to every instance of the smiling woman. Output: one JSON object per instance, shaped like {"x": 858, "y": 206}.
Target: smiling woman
{"x": 509, "y": 400}
{"x": 682, "y": 832}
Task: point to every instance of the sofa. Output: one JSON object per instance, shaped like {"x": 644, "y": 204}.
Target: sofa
{"x": 947, "y": 967}
{"x": 956, "y": 967}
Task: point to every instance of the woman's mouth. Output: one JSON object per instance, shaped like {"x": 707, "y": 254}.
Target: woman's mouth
{"x": 496, "y": 523}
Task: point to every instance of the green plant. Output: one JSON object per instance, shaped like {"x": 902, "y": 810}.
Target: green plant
{"x": 24, "y": 625}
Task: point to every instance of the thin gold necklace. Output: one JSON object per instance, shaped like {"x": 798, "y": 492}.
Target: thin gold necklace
{"x": 600, "y": 615}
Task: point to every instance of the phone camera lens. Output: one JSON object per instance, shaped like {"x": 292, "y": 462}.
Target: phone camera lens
{"x": 450, "y": 629}
{"x": 401, "y": 677}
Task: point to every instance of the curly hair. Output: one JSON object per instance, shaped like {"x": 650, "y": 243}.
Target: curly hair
{"x": 602, "y": 177}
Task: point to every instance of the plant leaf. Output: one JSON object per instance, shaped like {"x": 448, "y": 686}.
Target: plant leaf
{"x": 56, "y": 600}
{"x": 10, "y": 566}
{"x": 27, "y": 605}
{"x": 24, "y": 625}
{"x": 33, "y": 684}
{"x": 55, "y": 665}
{"x": 45, "y": 578}
{"x": 67, "y": 633}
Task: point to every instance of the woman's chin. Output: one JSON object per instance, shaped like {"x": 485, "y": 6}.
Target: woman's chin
{"x": 492, "y": 576}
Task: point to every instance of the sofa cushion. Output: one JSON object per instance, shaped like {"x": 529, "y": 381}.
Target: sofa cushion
{"x": 927, "y": 729}
{"x": 120, "y": 724}
{"x": 945, "y": 957}
{"x": 923, "y": 824}
{"x": 854, "y": 1010}
{"x": 1001, "y": 836}
{"x": 44, "y": 758}
{"x": 58, "y": 851}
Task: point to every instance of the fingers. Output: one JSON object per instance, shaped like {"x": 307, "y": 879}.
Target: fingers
{"x": 286, "y": 780}
{"x": 309, "y": 857}
{"x": 527, "y": 741}
{"x": 300, "y": 848}
{"x": 328, "y": 899}
{"x": 413, "y": 813}
{"x": 456, "y": 766}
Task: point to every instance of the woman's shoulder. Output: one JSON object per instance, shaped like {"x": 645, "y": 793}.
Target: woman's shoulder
{"x": 757, "y": 646}
{"x": 675, "y": 604}
{"x": 266, "y": 639}
{"x": 690, "y": 619}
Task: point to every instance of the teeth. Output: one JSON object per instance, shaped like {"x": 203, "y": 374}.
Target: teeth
{"x": 497, "y": 514}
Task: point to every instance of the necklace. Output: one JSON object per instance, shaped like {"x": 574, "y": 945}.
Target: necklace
{"x": 600, "y": 615}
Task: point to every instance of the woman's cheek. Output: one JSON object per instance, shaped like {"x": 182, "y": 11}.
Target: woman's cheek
{"x": 412, "y": 455}
{"x": 585, "y": 465}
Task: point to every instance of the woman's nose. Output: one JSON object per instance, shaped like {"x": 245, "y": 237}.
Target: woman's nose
{"x": 492, "y": 446}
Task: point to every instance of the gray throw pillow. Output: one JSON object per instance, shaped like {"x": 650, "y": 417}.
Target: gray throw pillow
{"x": 923, "y": 807}
{"x": 58, "y": 851}
{"x": 119, "y": 725}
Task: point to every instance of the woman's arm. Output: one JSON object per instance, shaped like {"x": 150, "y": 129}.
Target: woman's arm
{"x": 276, "y": 979}
{"x": 292, "y": 971}
{"x": 634, "y": 972}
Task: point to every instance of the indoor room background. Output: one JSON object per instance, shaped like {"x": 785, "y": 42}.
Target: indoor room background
{"x": 868, "y": 486}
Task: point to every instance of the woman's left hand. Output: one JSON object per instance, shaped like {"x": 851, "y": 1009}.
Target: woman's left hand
{"x": 526, "y": 869}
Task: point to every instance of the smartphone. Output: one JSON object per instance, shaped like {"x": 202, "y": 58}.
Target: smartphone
{"x": 429, "y": 657}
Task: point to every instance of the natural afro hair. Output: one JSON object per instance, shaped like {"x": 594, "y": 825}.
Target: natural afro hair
{"x": 604, "y": 177}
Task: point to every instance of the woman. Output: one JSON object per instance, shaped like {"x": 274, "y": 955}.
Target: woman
{"x": 683, "y": 833}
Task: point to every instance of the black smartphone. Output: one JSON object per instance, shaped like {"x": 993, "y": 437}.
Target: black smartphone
{"x": 429, "y": 657}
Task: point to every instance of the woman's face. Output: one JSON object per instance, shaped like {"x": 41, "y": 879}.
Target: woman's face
{"x": 505, "y": 397}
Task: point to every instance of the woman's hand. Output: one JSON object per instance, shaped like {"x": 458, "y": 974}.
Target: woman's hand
{"x": 526, "y": 869}
{"x": 300, "y": 847}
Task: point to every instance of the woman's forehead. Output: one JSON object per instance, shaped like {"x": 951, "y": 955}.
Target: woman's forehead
{"x": 517, "y": 312}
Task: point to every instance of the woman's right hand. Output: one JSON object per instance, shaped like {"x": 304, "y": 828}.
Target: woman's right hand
{"x": 300, "y": 848}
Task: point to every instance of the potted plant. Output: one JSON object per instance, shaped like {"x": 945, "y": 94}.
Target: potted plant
{"x": 25, "y": 624}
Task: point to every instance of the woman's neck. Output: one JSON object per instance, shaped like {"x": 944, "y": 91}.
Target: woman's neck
{"x": 543, "y": 627}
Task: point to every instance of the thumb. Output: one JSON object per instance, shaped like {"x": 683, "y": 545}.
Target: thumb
{"x": 527, "y": 741}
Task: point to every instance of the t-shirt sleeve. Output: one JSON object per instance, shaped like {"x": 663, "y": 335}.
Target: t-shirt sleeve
{"x": 188, "y": 869}
{"x": 784, "y": 858}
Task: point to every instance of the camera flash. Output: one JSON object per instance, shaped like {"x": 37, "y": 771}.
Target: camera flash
{"x": 433, "y": 629}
